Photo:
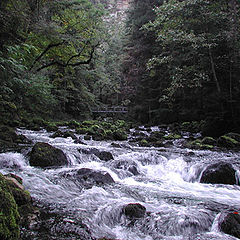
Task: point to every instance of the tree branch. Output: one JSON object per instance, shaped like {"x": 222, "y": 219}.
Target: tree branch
{"x": 51, "y": 45}
{"x": 67, "y": 63}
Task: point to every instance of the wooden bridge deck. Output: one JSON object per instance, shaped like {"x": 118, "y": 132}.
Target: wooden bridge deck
{"x": 115, "y": 109}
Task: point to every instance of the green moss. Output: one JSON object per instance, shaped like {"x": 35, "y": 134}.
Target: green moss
{"x": 208, "y": 141}
{"x": 144, "y": 143}
{"x": 172, "y": 136}
{"x": 51, "y": 127}
{"x": 229, "y": 139}
{"x": 74, "y": 124}
{"x": 9, "y": 216}
{"x": 120, "y": 135}
{"x": 198, "y": 144}
{"x": 82, "y": 130}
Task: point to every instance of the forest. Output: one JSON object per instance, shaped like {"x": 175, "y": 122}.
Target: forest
{"x": 119, "y": 119}
{"x": 168, "y": 61}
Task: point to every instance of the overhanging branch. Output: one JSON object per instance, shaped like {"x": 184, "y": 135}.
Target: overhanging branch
{"x": 67, "y": 63}
{"x": 51, "y": 45}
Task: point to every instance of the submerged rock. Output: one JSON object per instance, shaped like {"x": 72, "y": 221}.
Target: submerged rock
{"x": 45, "y": 155}
{"x": 231, "y": 224}
{"x": 134, "y": 210}
{"x": 52, "y": 226}
{"x": 87, "y": 178}
{"x": 128, "y": 165}
{"x": 102, "y": 155}
{"x": 219, "y": 173}
{"x": 64, "y": 134}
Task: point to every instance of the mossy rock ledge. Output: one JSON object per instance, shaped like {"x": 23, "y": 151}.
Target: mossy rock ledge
{"x": 16, "y": 209}
{"x": 44, "y": 155}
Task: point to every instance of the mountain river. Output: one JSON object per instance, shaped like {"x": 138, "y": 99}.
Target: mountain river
{"x": 165, "y": 181}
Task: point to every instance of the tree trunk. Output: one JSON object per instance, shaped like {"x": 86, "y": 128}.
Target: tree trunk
{"x": 214, "y": 72}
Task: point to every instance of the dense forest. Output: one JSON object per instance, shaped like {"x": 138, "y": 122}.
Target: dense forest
{"x": 164, "y": 166}
{"x": 168, "y": 61}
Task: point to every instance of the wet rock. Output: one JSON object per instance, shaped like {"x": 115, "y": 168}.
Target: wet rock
{"x": 134, "y": 210}
{"x": 102, "y": 155}
{"x": 227, "y": 141}
{"x": 219, "y": 173}
{"x": 209, "y": 141}
{"x": 9, "y": 217}
{"x": 128, "y": 165}
{"x": 16, "y": 207}
{"x": 79, "y": 141}
{"x": 64, "y": 134}
{"x": 87, "y": 178}
{"x": 10, "y": 140}
{"x": 235, "y": 136}
{"x": 44, "y": 155}
{"x": 19, "y": 179}
{"x": 120, "y": 135}
{"x": 231, "y": 224}
{"x": 87, "y": 137}
{"x": 21, "y": 196}
{"x": 52, "y": 226}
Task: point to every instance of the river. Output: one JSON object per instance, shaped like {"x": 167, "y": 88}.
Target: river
{"x": 166, "y": 183}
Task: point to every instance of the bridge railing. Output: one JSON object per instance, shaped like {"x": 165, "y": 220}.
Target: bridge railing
{"x": 111, "y": 109}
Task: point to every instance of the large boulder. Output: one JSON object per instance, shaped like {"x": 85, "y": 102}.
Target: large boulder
{"x": 44, "y": 155}
{"x": 9, "y": 216}
{"x": 231, "y": 224}
{"x": 134, "y": 210}
{"x": 87, "y": 178}
{"x": 219, "y": 173}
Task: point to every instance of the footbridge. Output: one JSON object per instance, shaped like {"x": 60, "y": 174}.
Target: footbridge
{"x": 110, "y": 109}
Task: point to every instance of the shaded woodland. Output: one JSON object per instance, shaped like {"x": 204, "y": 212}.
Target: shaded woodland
{"x": 168, "y": 61}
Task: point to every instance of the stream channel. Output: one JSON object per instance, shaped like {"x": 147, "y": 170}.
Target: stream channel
{"x": 165, "y": 181}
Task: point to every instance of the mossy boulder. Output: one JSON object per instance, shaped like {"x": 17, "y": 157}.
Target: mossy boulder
{"x": 51, "y": 127}
{"x": 9, "y": 216}
{"x": 172, "y": 136}
{"x": 219, "y": 173}
{"x": 44, "y": 155}
{"x": 10, "y": 140}
{"x": 209, "y": 141}
{"x": 120, "y": 135}
{"x": 228, "y": 141}
{"x": 73, "y": 124}
{"x": 198, "y": 144}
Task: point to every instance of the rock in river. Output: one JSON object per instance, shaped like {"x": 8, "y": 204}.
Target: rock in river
{"x": 87, "y": 178}
{"x": 134, "y": 210}
{"x": 219, "y": 173}
{"x": 231, "y": 224}
{"x": 45, "y": 155}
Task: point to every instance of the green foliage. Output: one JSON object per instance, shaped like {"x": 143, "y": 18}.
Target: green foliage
{"x": 195, "y": 47}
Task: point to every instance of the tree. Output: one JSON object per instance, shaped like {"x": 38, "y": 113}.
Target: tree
{"x": 194, "y": 37}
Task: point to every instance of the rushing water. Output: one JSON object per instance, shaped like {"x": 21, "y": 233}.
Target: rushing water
{"x": 178, "y": 206}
